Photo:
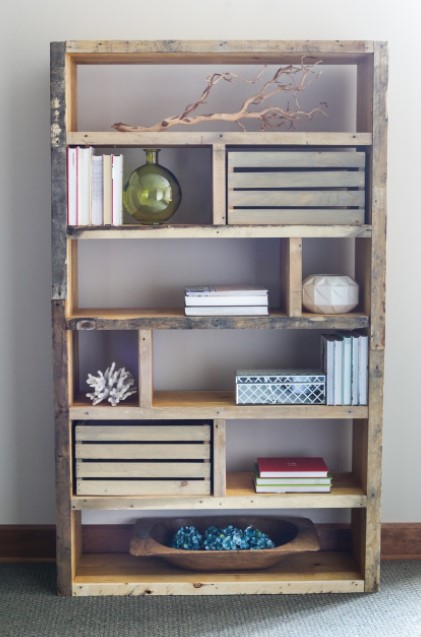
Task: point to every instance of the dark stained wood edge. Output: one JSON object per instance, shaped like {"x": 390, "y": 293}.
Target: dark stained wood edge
{"x": 175, "y": 319}
{"x": 58, "y": 168}
{"x": 21, "y": 543}
{"x": 62, "y": 444}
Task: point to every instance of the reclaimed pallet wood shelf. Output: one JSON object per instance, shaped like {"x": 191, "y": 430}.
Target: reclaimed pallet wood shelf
{"x": 285, "y": 188}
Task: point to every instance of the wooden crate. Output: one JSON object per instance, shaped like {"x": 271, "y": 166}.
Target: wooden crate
{"x": 309, "y": 186}
{"x": 143, "y": 459}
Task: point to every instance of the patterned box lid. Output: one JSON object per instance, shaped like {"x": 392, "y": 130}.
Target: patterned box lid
{"x": 274, "y": 376}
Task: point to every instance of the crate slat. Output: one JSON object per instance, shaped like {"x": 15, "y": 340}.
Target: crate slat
{"x": 142, "y": 469}
{"x": 301, "y": 179}
{"x": 298, "y": 198}
{"x": 141, "y": 451}
{"x": 296, "y": 159}
{"x": 145, "y": 433}
{"x": 143, "y": 487}
{"x": 296, "y": 216}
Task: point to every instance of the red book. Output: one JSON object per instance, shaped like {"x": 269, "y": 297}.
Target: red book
{"x": 298, "y": 467}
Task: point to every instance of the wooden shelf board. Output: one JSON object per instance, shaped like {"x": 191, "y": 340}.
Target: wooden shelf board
{"x": 122, "y": 574}
{"x": 217, "y": 51}
{"x": 346, "y": 493}
{"x": 219, "y": 231}
{"x": 203, "y": 405}
{"x": 195, "y": 139}
{"x": 174, "y": 318}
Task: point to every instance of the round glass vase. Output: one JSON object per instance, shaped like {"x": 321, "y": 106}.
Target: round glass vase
{"x": 152, "y": 193}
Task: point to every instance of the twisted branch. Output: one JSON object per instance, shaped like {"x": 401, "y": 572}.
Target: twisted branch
{"x": 290, "y": 79}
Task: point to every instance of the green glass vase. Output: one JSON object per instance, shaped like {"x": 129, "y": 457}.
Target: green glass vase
{"x": 152, "y": 193}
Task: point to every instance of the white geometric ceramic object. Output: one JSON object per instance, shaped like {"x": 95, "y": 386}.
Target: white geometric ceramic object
{"x": 329, "y": 293}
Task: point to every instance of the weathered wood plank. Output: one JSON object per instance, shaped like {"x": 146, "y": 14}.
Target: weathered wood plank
{"x": 295, "y": 159}
{"x": 142, "y": 469}
{"x": 66, "y": 521}
{"x": 219, "y": 214}
{"x": 192, "y": 405}
{"x": 258, "y": 231}
{"x": 219, "y": 458}
{"x": 139, "y": 318}
{"x": 196, "y": 138}
{"x": 92, "y": 451}
{"x": 300, "y": 198}
{"x": 301, "y": 179}
{"x": 145, "y": 367}
{"x": 217, "y": 51}
{"x": 58, "y": 169}
{"x": 309, "y": 216}
{"x": 291, "y": 276}
{"x": 379, "y": 195}
{"x": 143, "y": 487}
{"x": 145, "y": 433}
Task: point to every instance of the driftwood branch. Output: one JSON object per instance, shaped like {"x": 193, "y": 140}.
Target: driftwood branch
{"x": 291, "y": 79}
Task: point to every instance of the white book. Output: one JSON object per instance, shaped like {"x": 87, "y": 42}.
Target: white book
{"x": 84, "y": 155}
{"x": 317, "y": 488}
{"x": 97, "y": 190}
{"x": 226, "y": 300}
{"x": 71, "y": 186}
{"x": 225, "y": 290}
{"x": 117, "y": 189}
{"x": 337, "y": 366}
{"x": 355, "y": 348}
{"x": 107, "y": 194}
{"x": 346, "y": 368}
{"x": 327, "y": 354}
{"x": 227, "y": 310}
{"x": 363, "y": 370}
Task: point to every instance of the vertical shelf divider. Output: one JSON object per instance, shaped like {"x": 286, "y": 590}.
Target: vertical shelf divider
{"x": 145, "y": 368}
{"x": 291, "y": 275}
{"x": 219, "y": 208}
{"x": 219, "y": 458}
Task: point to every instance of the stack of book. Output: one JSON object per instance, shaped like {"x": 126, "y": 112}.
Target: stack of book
{"x": 292, "y": 475}
{"x": 94, "y": 188}
{"x": 345, "y": 362}
{"x": 225, "y": 300}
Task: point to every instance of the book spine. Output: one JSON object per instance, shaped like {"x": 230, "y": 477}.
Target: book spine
{"x": 214, "y": 300}
{"x": 255, "y": 310}
{"x": 97, "y": 190}
{"x": 117, "y": 190}
{"x": 72, "y": 186}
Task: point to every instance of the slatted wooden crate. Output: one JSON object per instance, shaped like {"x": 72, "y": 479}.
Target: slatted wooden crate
{"x": 143, "y": 459}
{"x": 309, "y": 186}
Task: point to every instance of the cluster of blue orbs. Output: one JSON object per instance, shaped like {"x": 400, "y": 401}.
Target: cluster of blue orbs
{"x": 229, "y": 538}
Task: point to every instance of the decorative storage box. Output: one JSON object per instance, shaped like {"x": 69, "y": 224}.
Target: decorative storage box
{"x": 280, "y": 387}
{"x": 148, "y": 458}
{"x": 310, "y": 186}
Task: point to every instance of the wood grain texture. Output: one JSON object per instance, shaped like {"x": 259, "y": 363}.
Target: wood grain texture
{"x": 195, "y": 138}
{"x": 258, "y": 231}
{"x": 58, "y": 170}
{"x": 292, "y": 276}
{"x": 174, "y": 318}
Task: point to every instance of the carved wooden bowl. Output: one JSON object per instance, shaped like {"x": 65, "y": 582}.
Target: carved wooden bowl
{"x": 290, "y": 535}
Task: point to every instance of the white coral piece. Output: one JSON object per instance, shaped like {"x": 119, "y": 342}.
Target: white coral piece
{"x": 113, "y": 385}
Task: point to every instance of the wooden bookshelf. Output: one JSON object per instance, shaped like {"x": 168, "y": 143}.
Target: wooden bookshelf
{"x": 357, "y": 489}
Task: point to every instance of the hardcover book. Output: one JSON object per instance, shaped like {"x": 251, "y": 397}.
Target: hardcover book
{"x": 309, "y": 467}
{"x": 221, "y": 295}
{"x": 227, "y": 310}
{"x": 259, "y": 481}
